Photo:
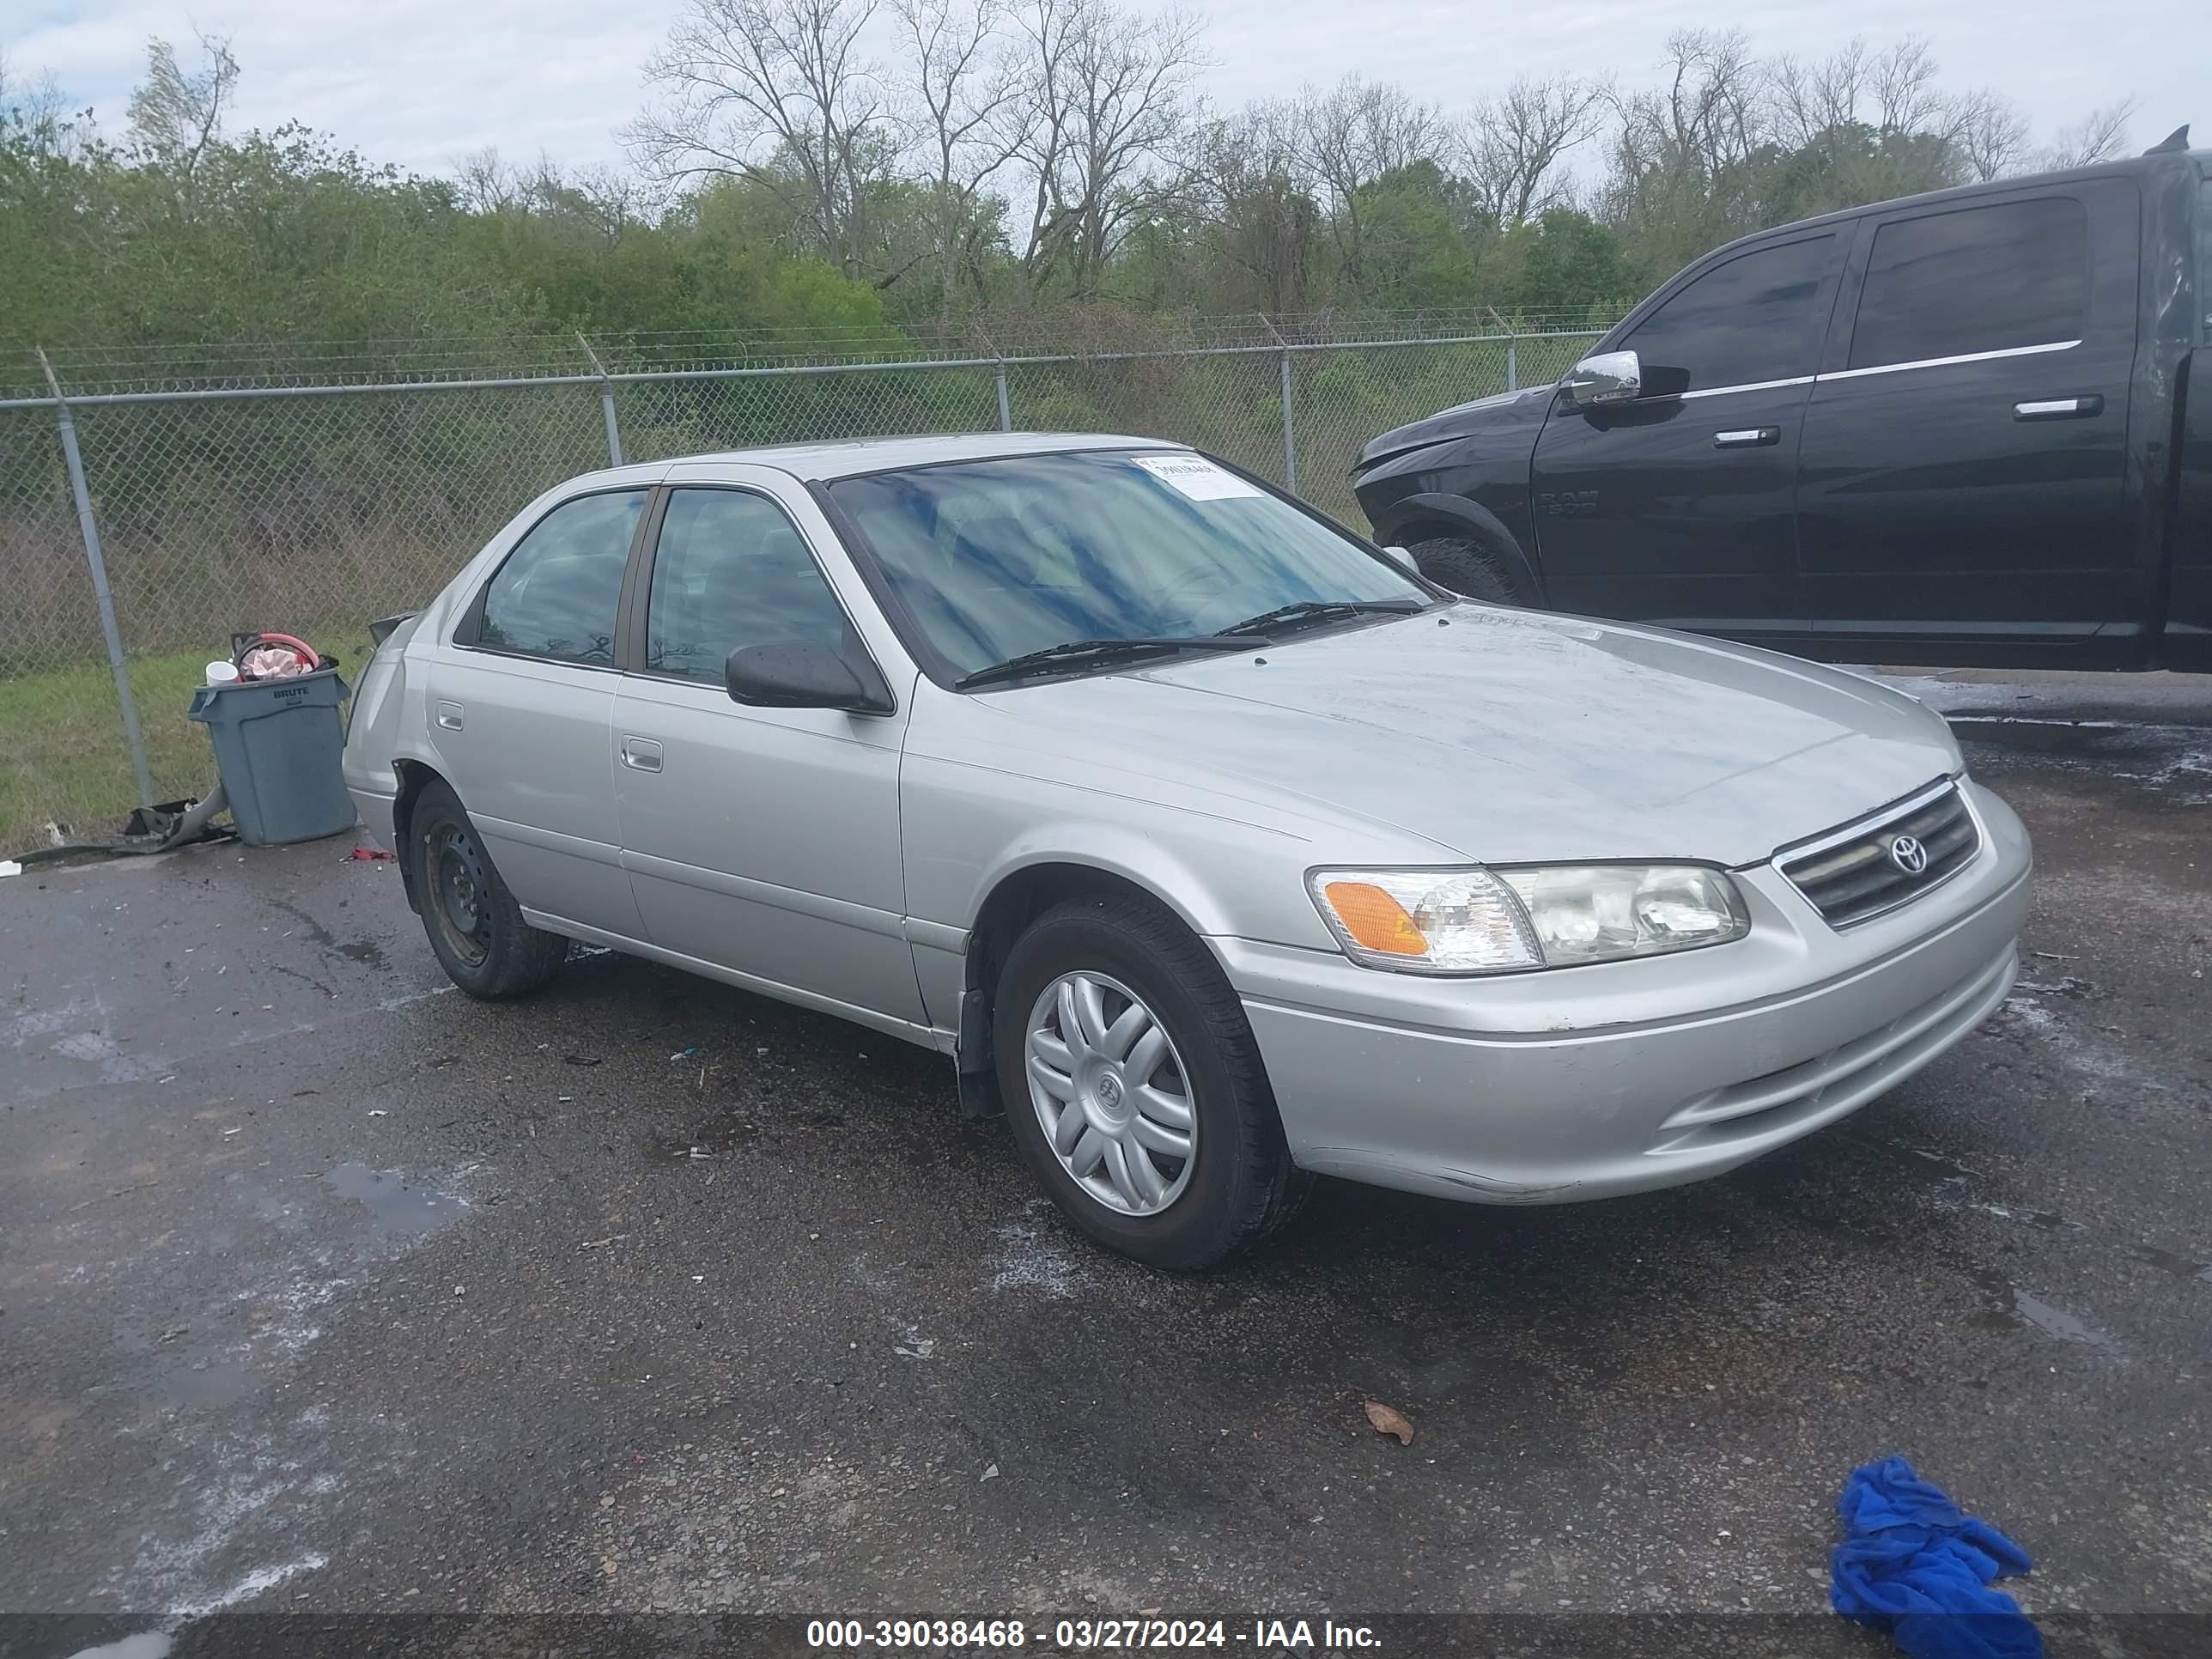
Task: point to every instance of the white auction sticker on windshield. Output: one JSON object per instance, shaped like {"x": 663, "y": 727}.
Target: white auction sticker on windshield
{"x": 1196, "y": 476}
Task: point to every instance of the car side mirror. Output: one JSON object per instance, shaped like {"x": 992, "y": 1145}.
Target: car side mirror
{"x": 1403, "y": 557}
{"x": 805, "y": 674}
{"x": 1607, "y": 377}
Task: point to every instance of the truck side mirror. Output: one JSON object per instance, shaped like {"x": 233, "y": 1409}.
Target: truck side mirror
{"x": 1608, "y": 377}
{"x": 1404, "y": 559}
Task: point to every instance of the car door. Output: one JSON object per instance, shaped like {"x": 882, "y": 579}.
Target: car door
{"x": 761, "y": 841}
{"x": 1677, "y": 507}
{"x": 520, "y": 706}
{"x": 1963, "y": 471}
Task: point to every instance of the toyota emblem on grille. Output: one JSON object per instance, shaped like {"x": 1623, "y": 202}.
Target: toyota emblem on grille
{"x": 1907, "y": 854}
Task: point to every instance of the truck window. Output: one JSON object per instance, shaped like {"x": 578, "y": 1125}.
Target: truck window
{"x": 1975, "y": 279}
{"x": 1746, "y": 320}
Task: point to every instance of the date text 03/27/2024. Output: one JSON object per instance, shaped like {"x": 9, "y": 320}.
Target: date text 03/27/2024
{"x": 1264, "y": 1637}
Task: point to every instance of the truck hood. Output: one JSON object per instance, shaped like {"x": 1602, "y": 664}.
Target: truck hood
{"x": 1511, "y": 736}
{"x": 1505, "y": 409}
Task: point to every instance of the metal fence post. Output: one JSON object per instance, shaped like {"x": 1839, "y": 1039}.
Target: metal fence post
{"x": 606, "y": 401}
{"x": 133, "y": 733}
{"x": 1290, "y": 432}
{"x": 1512, "y": 366}
{"x": 998, "y": 375}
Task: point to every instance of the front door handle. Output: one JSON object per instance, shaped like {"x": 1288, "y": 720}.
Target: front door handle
{"x": 641, "y": 754}
{"x": 449, "y": 717}
{"x": 1748, "y": 437}
{"x": 2059, "y": 409}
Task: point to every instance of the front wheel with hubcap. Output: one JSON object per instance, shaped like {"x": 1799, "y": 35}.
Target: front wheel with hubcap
{"x": 1133, "y": 1087}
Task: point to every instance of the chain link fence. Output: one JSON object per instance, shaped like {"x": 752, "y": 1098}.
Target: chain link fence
{"x": 314, "y": 507}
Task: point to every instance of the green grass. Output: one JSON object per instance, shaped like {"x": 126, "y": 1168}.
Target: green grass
{"x": 63, "y": 756}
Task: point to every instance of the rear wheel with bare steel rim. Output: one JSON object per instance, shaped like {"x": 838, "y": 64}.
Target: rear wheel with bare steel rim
{"x": 475, "y": 928}
{"x": 1133, "y": 1087}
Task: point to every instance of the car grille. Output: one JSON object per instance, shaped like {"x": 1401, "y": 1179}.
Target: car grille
{"x": 1853, "y": 873}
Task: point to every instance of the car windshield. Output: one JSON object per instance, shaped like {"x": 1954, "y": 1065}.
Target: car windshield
{"x": 995, "y": 559}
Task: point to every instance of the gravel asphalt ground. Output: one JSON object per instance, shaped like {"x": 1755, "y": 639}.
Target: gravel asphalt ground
{"x": 325, "y": 1289}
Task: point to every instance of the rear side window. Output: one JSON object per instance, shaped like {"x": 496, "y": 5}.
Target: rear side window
{"x": 558, "y": 592}
{"x": 1976, "y": 279}
{"x": 1747, "y": 320}
{"x": 731, "y": 571}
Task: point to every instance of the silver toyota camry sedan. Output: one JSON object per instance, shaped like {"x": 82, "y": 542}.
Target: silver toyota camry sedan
{"x": 1212, "y": 846}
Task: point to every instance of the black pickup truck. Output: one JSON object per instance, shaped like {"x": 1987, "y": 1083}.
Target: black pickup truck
{"x": 1956, "y": 429}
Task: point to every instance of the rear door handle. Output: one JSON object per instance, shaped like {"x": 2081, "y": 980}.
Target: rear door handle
{"x": 1748, "y": 437}
{"x": 2059, "y": 409}
{"x": 641, "y": 754}
{"x": 449, "y": 717}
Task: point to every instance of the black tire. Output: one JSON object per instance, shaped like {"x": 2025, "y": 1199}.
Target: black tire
{"x": 1242, "y": 1184}
{"x": 475, "y": 928}
{"x": 1469, "y": 567}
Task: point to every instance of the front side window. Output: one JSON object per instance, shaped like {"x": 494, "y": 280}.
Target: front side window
{"x": 1743, "y": 322}
{"x": 1975, "y": 279}
{"x": 557, "y": 594}
{"x": 994, "y": 559}
{"x": 731, "y": 571}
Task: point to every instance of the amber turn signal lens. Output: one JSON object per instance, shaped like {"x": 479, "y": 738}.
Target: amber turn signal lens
{"x": 1376, "y": 922}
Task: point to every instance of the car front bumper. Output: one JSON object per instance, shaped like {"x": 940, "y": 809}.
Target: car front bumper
{"x": 1590, "y": 1082}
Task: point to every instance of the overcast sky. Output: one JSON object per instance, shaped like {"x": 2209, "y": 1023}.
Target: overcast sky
{"x": 424, "y": 83}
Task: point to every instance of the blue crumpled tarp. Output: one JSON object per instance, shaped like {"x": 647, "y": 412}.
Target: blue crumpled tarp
{"x": 1914, "y": 1564}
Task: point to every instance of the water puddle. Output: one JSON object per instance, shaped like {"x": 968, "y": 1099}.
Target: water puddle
{"x": 2169, "y": 1261}
{"x": 396, "y": 1205}
{"x": 2010, "y": 1308}
{"x": 2161, "y": 757}
{"x": 2049, "y": 1221}
{"x": 207, "y": 1386}
{"x": 145, "y": 1644}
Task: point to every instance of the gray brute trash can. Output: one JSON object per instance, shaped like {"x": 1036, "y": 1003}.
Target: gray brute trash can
{"x": 279, "y": 744}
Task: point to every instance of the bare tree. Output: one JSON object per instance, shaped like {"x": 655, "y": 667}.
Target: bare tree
{"x": 960, "y": 85}
{"x": 483, "y": 182}
{"x": 1104, "y": 106}
{"x": 1989, "y": 135}
{"x": 1258, "y": 190}
{"x": 1712, "y": 112}
{"x": 1902, "y": 81}
{"x": 1356, "y": 133}
{"x": 1514, "y": 145}
{"x": 34, "y": 114}
{"x": 1812, "y": 99}
{"x": 2097, "y": 136}
{"x": 1892, "y": 91}
{"x": 777, "y": 91}
{"x": 175, "y": 117}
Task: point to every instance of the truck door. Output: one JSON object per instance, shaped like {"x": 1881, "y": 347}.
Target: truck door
{"x": 1961, "y": 480}
{"x": 1676, "y": 507}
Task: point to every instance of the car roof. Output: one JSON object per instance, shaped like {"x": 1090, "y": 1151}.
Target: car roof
{"x": 844, "y": 458}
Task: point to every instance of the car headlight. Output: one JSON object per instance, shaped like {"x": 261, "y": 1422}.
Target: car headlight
{"x": 1509, "y": 921}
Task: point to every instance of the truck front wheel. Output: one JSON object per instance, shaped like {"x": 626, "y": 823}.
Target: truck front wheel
{"x": 1466, "y": 566}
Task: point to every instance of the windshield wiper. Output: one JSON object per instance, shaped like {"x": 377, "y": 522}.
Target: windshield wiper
{"x": 1305, "y": 613}
{"x": 1087, "y": 653}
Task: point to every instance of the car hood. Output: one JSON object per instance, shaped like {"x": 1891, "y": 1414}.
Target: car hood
{"x": 1510, "y": 736}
